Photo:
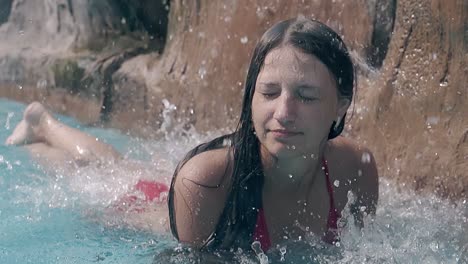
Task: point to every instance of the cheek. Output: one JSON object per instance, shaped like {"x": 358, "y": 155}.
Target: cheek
{"x": 317, "y": 120}
{"x": 255, "y": 114}
{"x": 259, "y": 114}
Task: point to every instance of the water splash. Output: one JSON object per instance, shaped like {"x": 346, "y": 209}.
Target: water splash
{"x": 403, "y": 230}
{"x": 167, "y": 116}
{"x": 257, "y": 248}
{"x": 7, "y": 122}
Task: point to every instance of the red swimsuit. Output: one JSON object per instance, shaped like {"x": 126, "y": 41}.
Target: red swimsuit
{"x": 152, "y": 190}
{"x": 261, "y": 230}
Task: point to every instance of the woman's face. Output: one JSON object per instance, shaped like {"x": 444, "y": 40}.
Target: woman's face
{"x": 295, "y": 103}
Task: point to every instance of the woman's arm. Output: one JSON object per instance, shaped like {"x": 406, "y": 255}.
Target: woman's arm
{"x": 200, "y": 192}
{"x": 367, "y": 186}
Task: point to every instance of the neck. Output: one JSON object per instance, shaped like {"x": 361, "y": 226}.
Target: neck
{"x": 292, "y": 174}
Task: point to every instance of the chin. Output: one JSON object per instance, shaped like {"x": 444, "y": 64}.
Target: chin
{"x": 283, "y": 151}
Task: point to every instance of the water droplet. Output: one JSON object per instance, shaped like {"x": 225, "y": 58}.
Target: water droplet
{"x": 244, "y": 40}
{"x": 359, "y": 173}
{"x": 7, "y": 122}
{"x": 434, "y": 246}
{"x": 202, "y": 72}
{"x": 41, "y": 84}
{"x": 443, "y": 84}
{"x": 336, "y": 183}
{"x": 366, "y": 158}
{"x": 293, "y": 147}
{"x": 79, "y": 149}
{"x": 283, "y": 253}
{"x": 290, "y": 176}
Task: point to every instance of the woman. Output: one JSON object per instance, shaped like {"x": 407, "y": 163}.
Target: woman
{"x": 283, "y": 174}
{"x": 285, "y": 171}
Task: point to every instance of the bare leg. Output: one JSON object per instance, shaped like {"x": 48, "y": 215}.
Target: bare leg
{"x": 39, "y": 126}
{"x": 56, "y": 146}
{"x": 51, "y": 158}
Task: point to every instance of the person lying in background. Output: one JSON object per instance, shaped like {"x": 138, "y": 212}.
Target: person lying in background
{"x": 284, "y": 173}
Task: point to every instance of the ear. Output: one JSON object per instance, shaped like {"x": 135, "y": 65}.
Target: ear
{"x": 343, "y": 105}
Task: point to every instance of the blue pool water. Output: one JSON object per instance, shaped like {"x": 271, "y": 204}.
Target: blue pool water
{"x": 50, "y": 217}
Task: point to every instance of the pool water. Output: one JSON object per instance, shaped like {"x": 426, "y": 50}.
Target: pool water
{"x": 53, "y": 217}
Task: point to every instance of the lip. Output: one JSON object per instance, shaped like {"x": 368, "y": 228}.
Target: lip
{"x": 283, "y": 133}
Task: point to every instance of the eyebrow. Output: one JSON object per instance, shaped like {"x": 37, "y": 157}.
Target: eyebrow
{"x": 270, "y": 84}
{"x": 305, "y": 86}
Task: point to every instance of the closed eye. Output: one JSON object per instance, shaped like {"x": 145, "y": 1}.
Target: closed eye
{"x": 270, "y": 95}
{"x": 308, "y": 93}
{"x": 307, "y": 99}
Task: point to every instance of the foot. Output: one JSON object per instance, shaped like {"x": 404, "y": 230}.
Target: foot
{"x": 28, "y": 130}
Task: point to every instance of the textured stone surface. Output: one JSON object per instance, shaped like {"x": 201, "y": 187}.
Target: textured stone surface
{"x": 414, "y": 112}
{"x": 73, "y": 45}
{"x": 209, "y": 45}
{"x": 411, "y": 103}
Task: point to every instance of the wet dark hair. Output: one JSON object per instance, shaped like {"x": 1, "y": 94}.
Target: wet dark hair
{"x": 237, "y": 221}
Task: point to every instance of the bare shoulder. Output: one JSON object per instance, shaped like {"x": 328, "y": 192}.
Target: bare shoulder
{"x": 352, "y": 153}
{"x": 207, "y": 168}
{"x": 200, "y": 192}
{"x": 348, "y": 146}
{"x": 356, "y": 163}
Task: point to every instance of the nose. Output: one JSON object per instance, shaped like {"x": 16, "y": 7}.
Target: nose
{"x": 285, "y": 109}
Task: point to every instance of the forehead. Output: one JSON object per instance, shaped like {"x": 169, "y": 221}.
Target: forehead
{"x": 287, "y": 62}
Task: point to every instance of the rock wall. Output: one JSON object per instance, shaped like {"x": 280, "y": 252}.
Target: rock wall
{"x": 205, "y": 58}
{"x": 137, "y": 61}
{"x": 414, "y": 113}
{"x": 73, "y": 47}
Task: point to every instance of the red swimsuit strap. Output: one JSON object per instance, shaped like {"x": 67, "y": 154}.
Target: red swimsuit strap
{"x": 333, "y": 212}
{"x": 331, "y": 235}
